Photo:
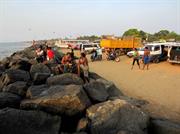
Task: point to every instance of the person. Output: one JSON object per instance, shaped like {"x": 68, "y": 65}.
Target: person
{"x": 146, "y": 58}
{"x": 40, "y": 54}
{"x": 50, "y": 54}
{"x": 83, "y": 65}
{"x": 94, "y": 54}
{"x": 135, "y": 58}
{"x": 66, "y": 62}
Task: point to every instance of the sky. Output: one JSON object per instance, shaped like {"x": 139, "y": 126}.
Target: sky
{"x": 24, "y": 20}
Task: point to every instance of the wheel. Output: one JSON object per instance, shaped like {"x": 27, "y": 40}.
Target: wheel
{"x": 117, "y": 59}
{"x": 156, "y": 60}
{"x": 118, "y": 52}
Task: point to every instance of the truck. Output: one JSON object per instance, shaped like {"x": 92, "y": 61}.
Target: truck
{"x": 123, "y": 45}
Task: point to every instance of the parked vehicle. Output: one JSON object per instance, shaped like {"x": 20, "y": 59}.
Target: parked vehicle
{"x": 113, "y": 56}
{"x": 174, "y": 53}
{"x": 140, "y": 51}
{"x": 121, "y": 46}
{"x": 89, "y": 47}
{"x": 96, "y": 55}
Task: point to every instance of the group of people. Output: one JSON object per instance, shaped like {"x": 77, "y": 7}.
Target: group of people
{"x": 68, "y": 63}
{"x": 44, "y": 54}
{"x": 145, "y": 58}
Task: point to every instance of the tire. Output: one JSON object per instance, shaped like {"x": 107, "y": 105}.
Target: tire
{"x": 156, "y": 60}
{"x": 117, "y": 59}
{"x": 118, "y": 52}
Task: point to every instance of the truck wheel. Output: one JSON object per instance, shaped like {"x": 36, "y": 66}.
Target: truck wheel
{"x": 156, "y": 60}
{"x": 118, "y": 52}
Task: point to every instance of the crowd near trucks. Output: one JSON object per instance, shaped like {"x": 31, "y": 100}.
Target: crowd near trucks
{"x": 169, "y": 51}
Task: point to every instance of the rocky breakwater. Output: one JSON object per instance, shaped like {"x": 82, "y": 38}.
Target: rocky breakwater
{"x": 32, "y": 101}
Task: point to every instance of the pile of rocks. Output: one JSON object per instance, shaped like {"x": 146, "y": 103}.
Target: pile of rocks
{"x": 32, "y": 101}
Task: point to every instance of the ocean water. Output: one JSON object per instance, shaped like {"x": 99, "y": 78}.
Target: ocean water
{"x": 6, "y": 49}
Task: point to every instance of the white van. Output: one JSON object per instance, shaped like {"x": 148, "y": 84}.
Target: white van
{"x": 174, "y": 53}
{"x": 89, "y": 47}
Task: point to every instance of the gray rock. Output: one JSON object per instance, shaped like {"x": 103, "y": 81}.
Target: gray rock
{"x": 82, "y": 125}
{"x": 96, "y": 91}
{"x": 111, "y": 88}
{"x": 20, "y": 64}
{"x": 15, "y": 121}
{"x": 69, "y": 100}
{"x": 39, "y": 68}
{"x": 112, "y": 116}
{"x": 19, "y": 88}
{"x": 11, "y": 76}
{"x": 9, "y": 100}
{"x": 40, "y": 78}
{"x": 64, "y": 79}
{"x": 94, "y": 76}
{"x": 36, "y": 90}
{"x": 164, "y": 127}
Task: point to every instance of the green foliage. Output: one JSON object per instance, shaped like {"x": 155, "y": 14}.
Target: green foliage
{"x": 161, "y": 35}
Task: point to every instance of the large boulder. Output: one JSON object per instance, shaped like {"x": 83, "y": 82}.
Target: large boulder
{"x": 96, "y": 91}
{"x": 29, "y": 52}
{"x": 35, "y": 90}
{"x": 13, "y": 75}
{"x": 39, "y": 68}
{"x": 15, "y": 121}
{"x": 2, "y": 69}
{"x": 20, "y": 64}
{"x": 40, "y": 78}
{"x": 110, "y": 117}
{"x": 110, "y": 87}
{"x": 69, "y": 100}
{"x": 9, "y": 100}
{"x": 164, "y": 127}
{"x": 64, "y": 79}
{"x": 19, "y": 88}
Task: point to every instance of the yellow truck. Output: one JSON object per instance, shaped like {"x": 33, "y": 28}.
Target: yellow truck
{"x": 121, "y": 45}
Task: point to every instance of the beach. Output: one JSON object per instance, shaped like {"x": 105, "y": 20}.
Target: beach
{"x": 159, "y": 85}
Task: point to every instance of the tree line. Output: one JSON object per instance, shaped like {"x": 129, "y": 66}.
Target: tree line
{"x": 162, "y": 35}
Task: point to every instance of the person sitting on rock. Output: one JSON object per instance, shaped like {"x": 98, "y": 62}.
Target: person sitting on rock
{"x": 66, "y": 62}
{"x": 40, "y": 54}
{"x": 50, "y": 54}
{"x": 83, "y": 66}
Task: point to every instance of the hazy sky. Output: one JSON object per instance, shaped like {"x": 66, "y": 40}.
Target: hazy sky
{"x": 40, "y": 19}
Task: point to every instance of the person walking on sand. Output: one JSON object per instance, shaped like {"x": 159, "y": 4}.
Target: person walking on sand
{"x": 135, "y": 58}
{"x": 146, "y": 58}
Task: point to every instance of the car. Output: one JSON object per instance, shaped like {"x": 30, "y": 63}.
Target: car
{"x": 140, "y": 51}
{"x": 89, "y": 47}
{"x": 174, "y": 54}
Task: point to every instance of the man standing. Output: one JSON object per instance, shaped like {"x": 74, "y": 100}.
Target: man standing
{"x": 135, "y": 58}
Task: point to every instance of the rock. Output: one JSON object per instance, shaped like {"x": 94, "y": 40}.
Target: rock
{"x": 64, "y": 79}
{"x": 5, "y": 62}
{"x": 164, "y": 127}
{"x": 39, "y": 68}
{"x": 94, "y": 76}
{"x": 35, "y": 91}
{"x": 15, "y": 121}
{"x": 29, "y": 52}
{"x": 82, "y": 125}
{"x": 9, "y": 100}
{"x": 112, "y": 116}
{"x": 20, "y": 64}
{"x": 2, "y": 69}
{"x": 69, "y": 100}
{"x": 40, "y": 78}
{"x": 96, "y": 91}
{"x": 136, "y": 102}
{"x": 19, "y": 88}
{"x": 11, "y": 76}
{"x": 111, "y": 88}
{"x": 124, "y": 132}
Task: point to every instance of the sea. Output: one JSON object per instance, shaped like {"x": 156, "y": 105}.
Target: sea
{"x": 8, "y": 48}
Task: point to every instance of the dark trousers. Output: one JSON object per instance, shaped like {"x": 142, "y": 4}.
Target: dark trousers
{"x": 136, "y": 60}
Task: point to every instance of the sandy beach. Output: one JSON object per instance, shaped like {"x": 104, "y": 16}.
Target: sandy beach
{"x": 160, "y": 85}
